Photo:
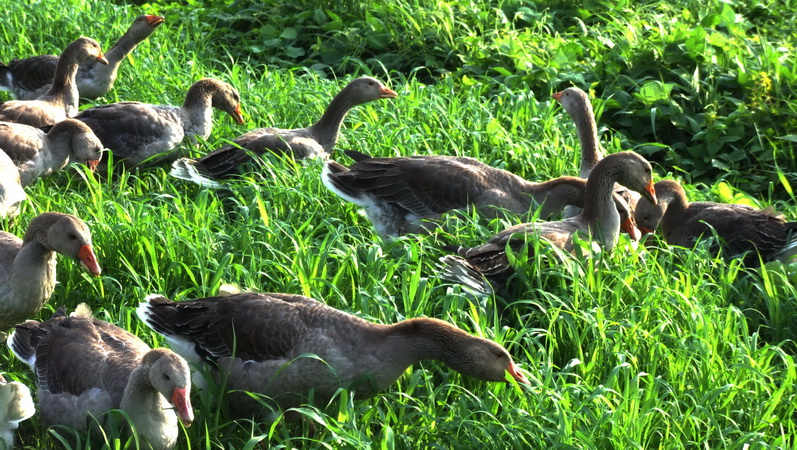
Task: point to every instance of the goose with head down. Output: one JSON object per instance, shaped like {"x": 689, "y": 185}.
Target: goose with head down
{"x": 27, "y": 266}
{"x": 61, "y": 100}
{"x": 286, "y": 346}
{"x": 598, "y": 221}
{"x": 316, "y": 140}
{"x": 137, "y": 132}
{"x": 114, "y": 370}
{"x": 30, "y": 78}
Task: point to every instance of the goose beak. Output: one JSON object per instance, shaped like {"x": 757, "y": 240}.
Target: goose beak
{"x": 646, "y": 230}
{"x": 628, "y": 226}
{"x": 557, "y": 96}
{"x": 387, "y": 93}
{"x": 93, "y": 163}
{"x": 154, "y": 21}
{"x": 101, "y": 58}
{"x": 237, "y": 114}
{"x": 88, "y": 260}
{"x": 650, "y": 193}
{"x": 514, "y": 370}
{"x": 182, "y": 403}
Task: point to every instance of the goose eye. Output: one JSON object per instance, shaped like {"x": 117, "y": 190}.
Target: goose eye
{"x": 167, "y": 377}
{"x": 72, "y": 236}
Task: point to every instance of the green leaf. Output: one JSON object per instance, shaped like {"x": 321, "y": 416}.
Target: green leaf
{"x": 289, "y": 33}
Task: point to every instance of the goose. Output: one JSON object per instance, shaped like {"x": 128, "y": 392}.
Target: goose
{"x": 61, "y": 100}
{"x": 38, "y": 154}
{"x": 599, "y": 220}
{"x": 263, "y": 343}
{"x": 11, "y": 192}
{"x": 576, "y": 104}
{"x": 29, "y": 78}
{"x": 16, "y": 405}
{"x": 85, "y": 366}
{"x": 27, "y": 266}
{"x": 136, "y": 132}
{"x": 755, "y": 234}
{"x": 316, "y": 140}
{"x": 403, "y": 194}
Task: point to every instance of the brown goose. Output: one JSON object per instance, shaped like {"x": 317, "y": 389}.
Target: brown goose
{"x": 262, "y": 342}
{"x": 38, "y": 154}
{"x": 61, "y": 100}
{"x": 402, "y": 194}
{"x": 29, "y": 78}
{"x": 599, "y": 220}
{"x": 27, "y": 266}
{"x": 316, "y": 140}
{"x": 136, "y": 132}
{"x": 16, "y": 405}
{"x": 86, "y": 366}
{"x": 11, "y": 192}
{"x": 742, "y": 230}
{"x": 577, "y": 105}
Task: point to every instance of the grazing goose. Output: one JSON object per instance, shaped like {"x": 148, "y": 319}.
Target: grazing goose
{"x": 29, "y": 78}
{"x": 263, "y": 341}
{"x": 599, "y": 220}
{"x": 86, "y": 366}
{"x": 61, "y": 100}
{"x": 742, "y": 230}
{"x": 577, "y": 105}
{"x": 402, "y": 194}
{"x": 38, "y": 154}
{"x": 16, "y": 405}
{"x": 11, "y": 192}
{"x": 27, "y": 266}
{"x": 136, "y": 132}
{"x": 316, "y": 140}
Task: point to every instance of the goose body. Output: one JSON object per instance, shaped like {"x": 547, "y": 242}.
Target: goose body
{"x": 16, "y": 405}
{"x": 317, "y": 140}
{"x": 27, "y": 266}
{"x": 11, "y": 192}
{"x": 741, "y": 229}
{"x": 598, "y": 221}
{"x": 263, "y": 343}
{"x": 61, "y": 100}
{"x": 30, "y": 78}
{"x": 136, "y": 132}
{"x": 37, "y": 154}
{"x": 116, "y": 370}
{"x": 401, "y": 194}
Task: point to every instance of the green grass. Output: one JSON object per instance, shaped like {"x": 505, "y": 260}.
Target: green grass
{"x": 630, "y": 349}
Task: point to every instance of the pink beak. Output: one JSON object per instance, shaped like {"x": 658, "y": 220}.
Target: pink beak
{"x": 88, "y": 260}
{"x": 182, "y": 403}
{"x": 514, "y": 370}
{"x": 387, "y": 93}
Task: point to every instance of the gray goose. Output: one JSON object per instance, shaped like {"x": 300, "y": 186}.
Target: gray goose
{"x": 402, "y": 194}
{"x": 38, "y": 154}
{"x": 16, "y": 405}
{"x": 313, "y": 141}
{"x": 29, "y": 78}
{"x": 599, "y": 220}
{"x": 87, "y": 366}
{"x": 756, "y": 234}
{"x": 577, "y": 105}
{"x": 27, "y": 266}
{"x": 11, "y": 192}
{"x": 261, "y": 342}
{"x": 61, "y": 100}
{"x": 136, "y": 132}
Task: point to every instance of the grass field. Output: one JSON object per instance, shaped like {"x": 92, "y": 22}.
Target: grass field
{"x": 637, "y": 348}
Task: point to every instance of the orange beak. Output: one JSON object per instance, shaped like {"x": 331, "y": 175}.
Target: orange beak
{"x": 237, "y": 115}
{"x": 646, "y": 230}
{"x": 514, "y": 370}
{"x": 154, "y": 21}
{"x": 88, "y": 260}
{"x": 557, "y": 96}
{"x": 93, "y": 163}
{"x": 628, "y": 227}
{"x": 182, "y": 403}
{"x": 650, "y": 193}
{"x": 101, "y": 58}
{"x": 387, "y": 93}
